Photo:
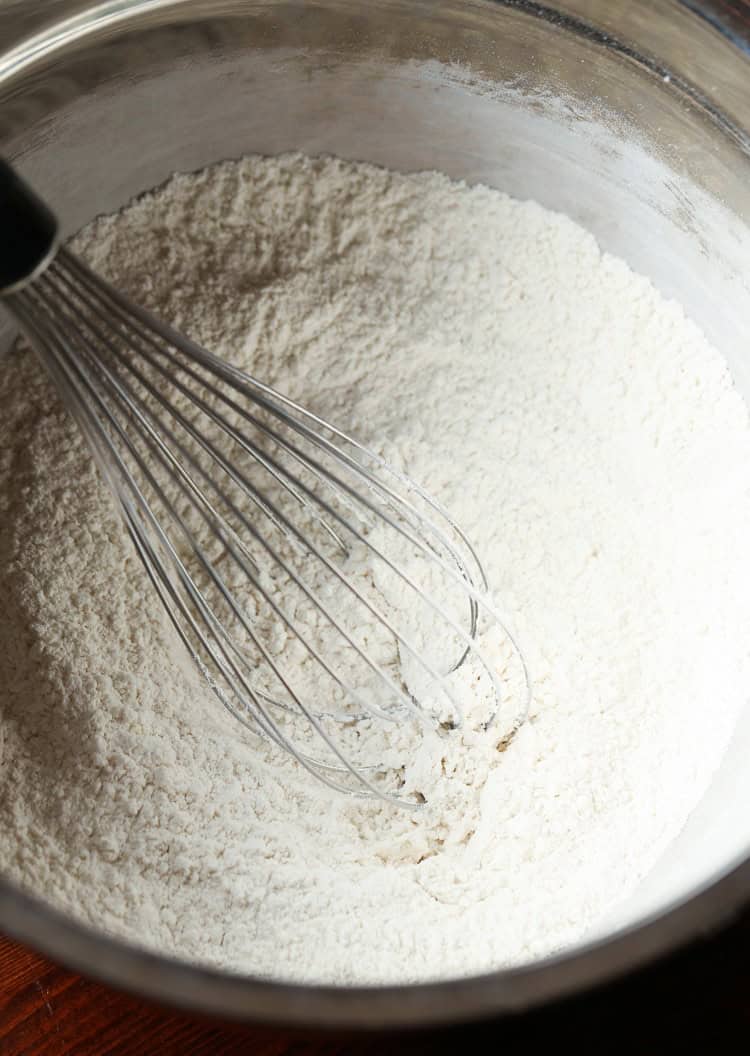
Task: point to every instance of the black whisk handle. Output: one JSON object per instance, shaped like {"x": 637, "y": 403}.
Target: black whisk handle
{"x": 28, "y": 232}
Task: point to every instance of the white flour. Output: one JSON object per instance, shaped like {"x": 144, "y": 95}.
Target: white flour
{"x": 590, "y": 443}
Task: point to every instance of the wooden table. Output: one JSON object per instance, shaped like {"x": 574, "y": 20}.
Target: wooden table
{"x": 698, "y": 1000}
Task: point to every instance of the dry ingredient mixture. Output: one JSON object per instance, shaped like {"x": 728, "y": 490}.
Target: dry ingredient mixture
{"x": 591, "y": 445}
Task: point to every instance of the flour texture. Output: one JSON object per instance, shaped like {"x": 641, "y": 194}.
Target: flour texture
{"x": 591, "y": 445}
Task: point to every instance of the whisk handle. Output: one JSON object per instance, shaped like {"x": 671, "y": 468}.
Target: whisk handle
{"x": 28, "y": 232}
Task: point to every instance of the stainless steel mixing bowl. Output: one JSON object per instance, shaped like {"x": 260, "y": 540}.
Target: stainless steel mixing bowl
{"x": 633, "y": 117}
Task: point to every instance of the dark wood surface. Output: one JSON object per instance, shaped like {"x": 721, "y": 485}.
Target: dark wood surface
{"x": 696, "y": 1001}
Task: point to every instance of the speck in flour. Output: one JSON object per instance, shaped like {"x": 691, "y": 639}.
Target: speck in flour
{"x": 593, "y": 448}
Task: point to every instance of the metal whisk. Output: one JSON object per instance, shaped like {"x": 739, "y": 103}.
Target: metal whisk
{"x": 320, "y": 591}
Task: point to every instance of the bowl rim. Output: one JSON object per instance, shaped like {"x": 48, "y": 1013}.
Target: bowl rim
{"x": 198, "y": 988}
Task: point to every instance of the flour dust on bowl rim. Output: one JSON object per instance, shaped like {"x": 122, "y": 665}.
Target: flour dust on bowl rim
{"x": 595, "y": 112}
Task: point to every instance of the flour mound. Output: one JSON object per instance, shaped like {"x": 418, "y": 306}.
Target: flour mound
{"x": 592, "y": 447}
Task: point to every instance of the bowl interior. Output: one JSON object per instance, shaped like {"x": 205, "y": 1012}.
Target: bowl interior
{"x": 596, "y": 126}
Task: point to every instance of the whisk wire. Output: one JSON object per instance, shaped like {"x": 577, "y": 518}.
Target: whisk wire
{"x": 123, "y": 374}
{"x": 469, "y": 639}
{"x": 161, "y": 580}
{"x": 268, "y": 398}
{"x": 248, "y": 488}
{"x": 168, "y": 459}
